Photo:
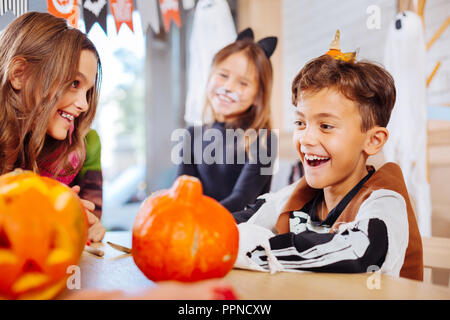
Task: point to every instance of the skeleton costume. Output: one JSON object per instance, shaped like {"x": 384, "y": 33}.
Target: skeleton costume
{"x": 373, "y": 226}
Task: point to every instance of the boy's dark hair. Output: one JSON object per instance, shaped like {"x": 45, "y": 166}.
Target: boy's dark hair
{"x": 365, "y": 83}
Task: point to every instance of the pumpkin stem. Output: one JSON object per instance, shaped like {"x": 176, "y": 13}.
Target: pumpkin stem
{"x": 187, "y": 189}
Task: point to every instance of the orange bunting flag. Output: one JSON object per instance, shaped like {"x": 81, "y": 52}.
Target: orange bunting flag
{"x": 122, "y": 11}
{"x": 67, "y": 9}
{"x": 170, "y": 10}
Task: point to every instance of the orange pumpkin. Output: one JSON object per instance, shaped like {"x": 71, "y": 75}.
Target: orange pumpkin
{"x": 43, "y": 230}
{"x": 180, "y": 234}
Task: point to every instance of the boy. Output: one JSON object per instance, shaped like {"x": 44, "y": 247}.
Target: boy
{"x": 342, "y": 216}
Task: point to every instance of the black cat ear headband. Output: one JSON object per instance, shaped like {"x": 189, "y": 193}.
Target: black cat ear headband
{"x": 268, "y": 44}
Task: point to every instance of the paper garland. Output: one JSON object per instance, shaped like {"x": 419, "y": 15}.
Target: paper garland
{"x": 188, "y": 4}
{"x": 95, "y": 11}
{"x": 122, "y": 11}
{"x": 67, "y": 9}
{"x": 149, "y": 14}
{"x": 170, "y": 11}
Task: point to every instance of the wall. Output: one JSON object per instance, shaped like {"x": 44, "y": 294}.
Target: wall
{"x": 264, "y": 17}
{"x": 309, "y": 28}
{"x": 439, "y": 90}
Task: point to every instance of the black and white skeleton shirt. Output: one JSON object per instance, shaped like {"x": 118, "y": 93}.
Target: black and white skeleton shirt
{"x": 375, "y": 240}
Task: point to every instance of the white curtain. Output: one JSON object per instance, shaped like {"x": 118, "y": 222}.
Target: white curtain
{"x": 213, "y": 28}
{"x": 407, "y": 144}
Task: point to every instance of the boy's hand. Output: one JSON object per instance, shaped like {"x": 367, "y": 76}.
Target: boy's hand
{"x": 96, "y": 231}
{"x": 254, "y": 249}
{"x": 282, "y": 224}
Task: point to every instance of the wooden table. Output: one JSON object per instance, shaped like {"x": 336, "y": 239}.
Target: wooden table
{"x": 117, "y": 271}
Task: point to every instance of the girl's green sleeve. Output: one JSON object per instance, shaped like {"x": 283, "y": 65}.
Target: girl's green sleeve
{"x": 90, "y": 178}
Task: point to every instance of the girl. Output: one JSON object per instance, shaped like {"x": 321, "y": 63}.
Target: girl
{"x": 49, "y": 86}
{"x": 237, "y": 100}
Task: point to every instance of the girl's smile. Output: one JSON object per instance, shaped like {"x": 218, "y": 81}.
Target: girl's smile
{"x": 67, "y": 116}
{"x": 74, "y": 100}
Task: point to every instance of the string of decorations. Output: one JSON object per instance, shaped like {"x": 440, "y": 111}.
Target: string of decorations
{"x": 96, "y": 11}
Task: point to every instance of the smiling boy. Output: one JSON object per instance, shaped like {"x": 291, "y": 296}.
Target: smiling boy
{"x": 342, "y": 216}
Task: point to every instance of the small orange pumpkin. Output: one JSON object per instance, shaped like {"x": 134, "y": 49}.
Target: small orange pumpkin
{"x": 180, "y": 234}
{"x": 43, "y": 230}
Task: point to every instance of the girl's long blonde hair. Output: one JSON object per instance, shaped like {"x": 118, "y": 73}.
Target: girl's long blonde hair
{"x": 51, "y": 50}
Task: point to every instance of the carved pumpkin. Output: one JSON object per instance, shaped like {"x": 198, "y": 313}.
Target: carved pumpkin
{"x": 180, "y": 234}
{"x": 43, "y": 230}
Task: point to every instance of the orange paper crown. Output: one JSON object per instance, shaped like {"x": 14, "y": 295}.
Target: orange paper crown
{"x": 335, "y": 50}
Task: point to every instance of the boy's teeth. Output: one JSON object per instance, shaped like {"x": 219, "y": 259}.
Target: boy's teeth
{"x": 314, "y": 157}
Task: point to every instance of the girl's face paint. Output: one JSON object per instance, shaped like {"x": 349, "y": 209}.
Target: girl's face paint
{"x": 73, "y": 102}
{"x": 232, "y": 96}
{"x": 233, "y": 87}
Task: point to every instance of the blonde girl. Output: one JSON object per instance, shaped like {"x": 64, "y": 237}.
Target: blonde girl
{"x": 49, "y": 87}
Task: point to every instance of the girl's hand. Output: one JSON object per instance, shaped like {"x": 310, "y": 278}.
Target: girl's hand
{"x": 96, "y": 231}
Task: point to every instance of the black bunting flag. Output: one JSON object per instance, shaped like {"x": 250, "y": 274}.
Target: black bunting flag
{"x": 95, "y": 11}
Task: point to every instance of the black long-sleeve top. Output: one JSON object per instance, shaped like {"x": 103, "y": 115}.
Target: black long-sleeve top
{"x": 234, "y": 184}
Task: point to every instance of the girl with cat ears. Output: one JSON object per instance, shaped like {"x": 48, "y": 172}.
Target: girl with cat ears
{"x": 237, "y": 97}
{"x": 242, "y": 72}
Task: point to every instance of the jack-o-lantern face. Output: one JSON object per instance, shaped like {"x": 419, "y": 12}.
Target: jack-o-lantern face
{"x": 43, "y": 230}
